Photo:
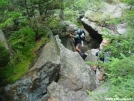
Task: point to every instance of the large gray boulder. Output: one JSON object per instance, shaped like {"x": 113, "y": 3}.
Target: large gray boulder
{"x": 98, "y": 18}
{"x": 61, "y": 94}
{"x": 55, "y": 64}
{"x": 75, "y": 73}
{"x": 99, "y": 94}
{"x": 32, "y": 86}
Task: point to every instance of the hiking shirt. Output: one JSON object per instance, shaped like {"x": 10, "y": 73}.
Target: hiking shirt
{"x": 103, "y": 55}
{"x": 77, "y": 38}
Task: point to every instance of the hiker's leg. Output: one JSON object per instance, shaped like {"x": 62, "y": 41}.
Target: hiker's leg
{"x": 80, "y": 52}
{"x": 77, "y": 47}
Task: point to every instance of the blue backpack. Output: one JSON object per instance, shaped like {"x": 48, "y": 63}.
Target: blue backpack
{"x": 81, "y": 34}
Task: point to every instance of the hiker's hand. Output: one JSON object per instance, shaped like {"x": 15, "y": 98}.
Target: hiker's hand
{"x": 70, "y": 35}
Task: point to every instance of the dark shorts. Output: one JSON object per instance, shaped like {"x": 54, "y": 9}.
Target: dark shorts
{"x": 78, "y": 45}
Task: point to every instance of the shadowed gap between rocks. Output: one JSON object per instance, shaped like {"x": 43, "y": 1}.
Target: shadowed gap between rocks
{"x": 94, "y": 34}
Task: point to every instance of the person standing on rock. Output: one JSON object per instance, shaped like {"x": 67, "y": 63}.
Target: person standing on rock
{"x": 103, "y": 56}
{"x": 79, "y": 37}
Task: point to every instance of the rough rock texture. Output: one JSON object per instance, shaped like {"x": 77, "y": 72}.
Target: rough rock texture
{"x": 33, "y": 85}
{"x": 75, "y": 78}
{"x": 55, "y": 64}
{"x": 99, "y": 94}
{"x": 91, "y": 57}
{"x": 98, "y": 20}
{"x": 74, "y": 71}
{"x": 61, "y": 94}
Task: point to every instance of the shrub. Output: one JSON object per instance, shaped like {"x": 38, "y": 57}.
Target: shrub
{"x": 4, "y": 55}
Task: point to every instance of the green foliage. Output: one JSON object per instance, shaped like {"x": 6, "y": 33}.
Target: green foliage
{"x": 128, "y": 17}
{"x": 17, "y": 67}
{"x": 13, "y": 14}
{"x": 96, "y": 4}
{"x": 4, "y": 3}
{"x": 120, "y": 69}
{"x": 10, "y": 17}
{"x": 122, "y": 44}
{"x": 52, "y": 22}
{"x": 70, "y": 14}
{"x": 74, "y": 9}
{"x": 24, "y": 46}
{"x": 22, "y": 40}
{"x": 121, "y": 65}
{"x": 121, "y": 77}
{"x": 4, "y": 56}
{"x": 129, "y": 2}
{"x": 6, "y": 23}
{"x": 80, "y": 4}
{"x": 129, "y": 13}
{"x": 49, "y": 4}
{"x": 114, "y": 21}
{"x": 68, "y": 3}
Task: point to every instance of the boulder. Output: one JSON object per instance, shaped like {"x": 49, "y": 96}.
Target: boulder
{"x": 99, "y": 94}
{"x": 55, "y": 64}
{"x": 98, "y": 19}
{"x": 59, "y": 93}
{"x": 74, "y": 71}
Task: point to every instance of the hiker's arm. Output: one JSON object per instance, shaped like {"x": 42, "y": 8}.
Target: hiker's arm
{"x": 71, "y": 35}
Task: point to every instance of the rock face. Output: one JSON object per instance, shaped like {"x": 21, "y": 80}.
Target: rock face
{"x": 96, "y": 21}
{"x": 75, "y": 78}
{"x": 58, "y": 92}
{"x": 33, "y": 85}
{"x": 58, "y": 73}
{"x": 99, "y": 94}
{"x": 75, "y": 71}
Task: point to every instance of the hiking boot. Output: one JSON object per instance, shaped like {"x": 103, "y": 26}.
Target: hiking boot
{"x": 81, "y": 54}
{"x": 84, "y": 56}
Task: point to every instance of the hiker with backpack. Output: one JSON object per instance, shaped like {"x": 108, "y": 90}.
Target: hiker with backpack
{"x": 103, "y": 56}
{"x": 79, "y": 37}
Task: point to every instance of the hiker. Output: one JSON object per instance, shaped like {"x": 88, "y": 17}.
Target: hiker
{"x": 79, "y": 37}
{"x": 103, "y": 56}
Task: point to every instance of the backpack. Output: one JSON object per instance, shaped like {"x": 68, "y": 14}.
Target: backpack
{"x": 81, "y": 34}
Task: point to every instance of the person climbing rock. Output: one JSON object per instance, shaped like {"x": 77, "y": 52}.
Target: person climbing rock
{"x": 79, "y": 37}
